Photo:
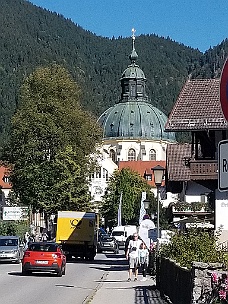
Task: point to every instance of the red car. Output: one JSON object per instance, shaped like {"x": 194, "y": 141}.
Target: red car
{"x": 44, "y": 257}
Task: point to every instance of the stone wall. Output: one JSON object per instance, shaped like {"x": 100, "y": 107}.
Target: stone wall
{"x": 201, "y": 279}
{"x": 184, "y": 286}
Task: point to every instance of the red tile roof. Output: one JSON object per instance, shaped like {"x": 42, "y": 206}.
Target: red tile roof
{"x": 142, "y": 167}
{"x": 197, "y": 107}
{"x": 4, "y": 173}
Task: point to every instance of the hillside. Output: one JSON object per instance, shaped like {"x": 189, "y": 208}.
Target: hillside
{"x": 32, "y": 36}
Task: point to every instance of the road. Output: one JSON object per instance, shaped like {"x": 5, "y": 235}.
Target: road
{"x": 77, "y": 286}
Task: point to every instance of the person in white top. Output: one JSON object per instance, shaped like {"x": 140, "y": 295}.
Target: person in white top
{"x": 143, "y": 259}
{"x": 132, "y": 255}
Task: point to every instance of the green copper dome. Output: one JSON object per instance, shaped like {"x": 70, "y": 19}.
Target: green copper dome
{"x": 133, "y": 117}
{"x": 134, "y": 120}
{"x": 133, "y": 71}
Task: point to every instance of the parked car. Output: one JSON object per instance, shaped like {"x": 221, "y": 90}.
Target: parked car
{"x": 44, "y": 257}
{"x": 11, "y": 250}
{"x": 107, "y": 243}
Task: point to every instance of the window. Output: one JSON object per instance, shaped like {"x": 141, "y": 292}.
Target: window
{"x": 148, "y": 177}
{"x": 131, "y": 155}
{"x": 6, "y": 179}
{"x": 152, "y": 154}
{"x": 105, "y": 174}
{"x": 112, "y": 154}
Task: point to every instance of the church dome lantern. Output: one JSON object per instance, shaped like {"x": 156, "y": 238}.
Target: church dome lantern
{"x": 133, "y": 117}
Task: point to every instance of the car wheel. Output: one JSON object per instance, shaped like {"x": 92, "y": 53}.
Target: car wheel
{"x": 60, "y": 272}
{"x": 64, "y": 270}
{"x": 25, "y": 272}
{"x": 91, "y": 258}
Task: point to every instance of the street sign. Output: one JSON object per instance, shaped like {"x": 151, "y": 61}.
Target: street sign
{"x": 224, "y": 90}
{"x": 14, "y": 213}
{"x": 223, "y": 165}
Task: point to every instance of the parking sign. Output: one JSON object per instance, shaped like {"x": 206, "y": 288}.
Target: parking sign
{"x": 223, "y": 165}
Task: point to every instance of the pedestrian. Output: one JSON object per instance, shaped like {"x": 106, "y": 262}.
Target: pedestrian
{"x": 143, "y": 259}
{"x": 132, "y": 256}
{"x": 26, "y": 239}
{"x": 130, "y": 237}
{"x": 44, "y": 236}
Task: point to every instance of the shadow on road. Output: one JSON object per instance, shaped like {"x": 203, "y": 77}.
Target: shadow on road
{"x": 34, "y": 274}
{"x": 114, "y": 261}
{"x": 148, "y": 295}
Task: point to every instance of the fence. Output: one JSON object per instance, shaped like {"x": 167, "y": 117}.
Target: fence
{"x": 174, "y": 281}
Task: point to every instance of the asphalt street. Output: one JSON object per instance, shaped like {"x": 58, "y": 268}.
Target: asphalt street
{"x": 102, "y": 281}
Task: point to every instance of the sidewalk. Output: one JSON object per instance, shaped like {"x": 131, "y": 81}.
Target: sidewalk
{"x": 114, "y": 287}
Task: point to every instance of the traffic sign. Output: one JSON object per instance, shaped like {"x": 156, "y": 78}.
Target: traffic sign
{"x": 223, "y": 165}
{"x": 224, "y": 90}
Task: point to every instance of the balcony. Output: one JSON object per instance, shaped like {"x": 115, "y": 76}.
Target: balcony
{"x": 193, "y": 208}
{"x": 203, "y": 169}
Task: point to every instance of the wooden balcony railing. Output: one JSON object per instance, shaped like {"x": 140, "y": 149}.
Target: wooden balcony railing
{"x": 203, "y": 169}
{"x": 191, "y": 208}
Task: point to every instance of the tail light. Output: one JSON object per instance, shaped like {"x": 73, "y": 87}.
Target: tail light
{"x": 27, "y": 254}
{"x": 56, "y": 255}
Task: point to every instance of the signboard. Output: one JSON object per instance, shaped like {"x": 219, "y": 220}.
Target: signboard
{"x": 152, "y": 234}
{"x": 14, "y": 213}
{"x": 223, "y": 165}
{"x": 224, "y": 90}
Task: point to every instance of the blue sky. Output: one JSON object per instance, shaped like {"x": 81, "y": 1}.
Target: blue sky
{"x": 197, "y": 23}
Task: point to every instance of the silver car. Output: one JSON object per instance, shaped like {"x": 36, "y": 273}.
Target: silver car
{"x": 10, "y": 249}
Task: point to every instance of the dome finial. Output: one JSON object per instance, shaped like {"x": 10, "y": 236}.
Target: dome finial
{"x": 133, "y": 55}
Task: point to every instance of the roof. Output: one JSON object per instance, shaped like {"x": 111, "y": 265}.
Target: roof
{"x": 4, "y": 173}
{"x": 175, "y": 162}
{"x": 133, "y": 71}
{"x": 142, "y": 167}
{"x": 197, "y": 107}
{"x": 134, "y": 120}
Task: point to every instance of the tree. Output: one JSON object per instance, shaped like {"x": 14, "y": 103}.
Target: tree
{"x": 51, "y": 140}
{"x": 131, "y": 184}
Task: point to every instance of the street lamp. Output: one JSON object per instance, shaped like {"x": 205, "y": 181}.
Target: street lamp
{"x": 146, "y": 203}
{"x": 158, "y": 172}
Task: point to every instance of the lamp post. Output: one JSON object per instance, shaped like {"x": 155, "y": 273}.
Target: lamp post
{"x": 158, "y": 172}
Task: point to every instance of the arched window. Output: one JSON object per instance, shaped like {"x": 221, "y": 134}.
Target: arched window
{"x": 105, "y": 174}
{"x": 112, "y": 154}
{"x": 131, "y": 155}
{"x": 152, "y": 154}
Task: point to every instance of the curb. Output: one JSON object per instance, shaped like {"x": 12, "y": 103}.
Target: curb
{"x": 90, "y": 297}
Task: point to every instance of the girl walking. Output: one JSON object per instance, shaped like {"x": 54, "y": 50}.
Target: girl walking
{"x": 143, "y": 259}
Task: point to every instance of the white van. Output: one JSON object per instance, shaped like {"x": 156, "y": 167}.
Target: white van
{"x": 121, "y": 233}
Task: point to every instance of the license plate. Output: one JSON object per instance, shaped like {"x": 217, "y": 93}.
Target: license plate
{"x": 106, "y": 245}
{"x": 42, "y": 262}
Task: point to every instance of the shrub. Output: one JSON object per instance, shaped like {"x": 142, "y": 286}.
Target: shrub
{"x": 193, "y": 245}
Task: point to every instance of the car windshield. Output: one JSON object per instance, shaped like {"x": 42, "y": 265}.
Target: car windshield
{"x": 117, "y": 233}
{"x": 8, "y": 242}
{"x": 42, "y": 247}
{"x": 107, "y": 239}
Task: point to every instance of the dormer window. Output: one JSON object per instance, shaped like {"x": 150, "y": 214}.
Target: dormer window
{"x": 5, "y": 179}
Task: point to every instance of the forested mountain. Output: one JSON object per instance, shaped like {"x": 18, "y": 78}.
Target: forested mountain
{"x": 31, "y": 37}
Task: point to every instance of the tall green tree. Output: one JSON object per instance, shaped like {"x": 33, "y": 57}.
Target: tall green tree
{"x": 131, "y": 185}
{"x": 51, "y": 140}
